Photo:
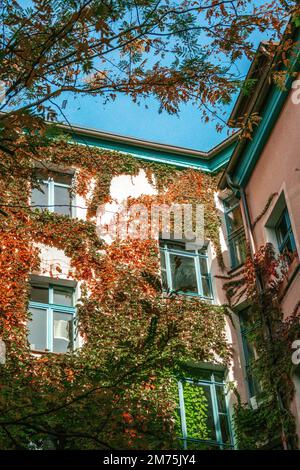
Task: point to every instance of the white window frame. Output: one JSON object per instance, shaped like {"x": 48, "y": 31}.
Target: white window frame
{"x": 166, "y": 251}
{"x": 50, "y": 308}
{"x": 273, "y": 219}
{"x": 237, "y": 236}
{"x": 51, "y": 183}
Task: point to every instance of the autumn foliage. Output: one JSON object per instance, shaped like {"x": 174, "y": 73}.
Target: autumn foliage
{"x": 120, "y": 383}
{"x": 117, "y": 390}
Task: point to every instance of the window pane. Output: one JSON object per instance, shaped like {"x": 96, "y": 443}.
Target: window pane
{"x": 164, "y": 278}
{"x": 249, "y": 348}
{"x": 255, "y": 388}
{"x": 39, "y": 197}
{"x": 162, "y": 259}
{"x": 62, "y": 200}
{"x": 39, "y": 294}
{"x": 62, "y": 332}
{"x": 248, "y": 324}
{"x": 283, "y": 227}
{"x": 38, "y": 329}
{"x": 235, "y": 232}
{"x": 198, "y": 411}
{"x": 224, "y": 429}
{"x": 284, "y": 233}
{"x": 206, "y": 287}
{"x": 238, "y": 250}
{"x": 218, "y": 376}
{"x": 63, "y": 296}
{"x": 291, "y": 245}
{"x": 183, "y": 273}
{"x": 221, "y": 398}
{"x": 203, "y": 265}
{"x": 63, "y": 178}
{"x": 234, "y": 219}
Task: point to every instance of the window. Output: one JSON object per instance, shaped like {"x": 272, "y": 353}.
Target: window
{"x": 248, "y": 325}
{"x": 279, "y": 230}
{"x": 284, "y": 234}
{"x": 52, "y": 318}
{"x": 203, "y": 412}
{"x": 235, "y": 231}
{"x": 185, "y": 272}
{"x": 53, "y": 194}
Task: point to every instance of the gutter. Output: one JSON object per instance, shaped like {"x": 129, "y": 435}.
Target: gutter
{"x": 147, "y": 144}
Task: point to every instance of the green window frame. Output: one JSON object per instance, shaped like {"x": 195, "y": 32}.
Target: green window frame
{"x": 190, "y": 266}
{"x": 284, "y": 233}
{"x": 54, "y": 194}
{"x": 236, "y": 238}
{"x": 204, "y": 416}
{"x": 51, "y": 327}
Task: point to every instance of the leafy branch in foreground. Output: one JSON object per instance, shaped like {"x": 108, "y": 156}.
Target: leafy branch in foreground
{"x": 176, "y": 51}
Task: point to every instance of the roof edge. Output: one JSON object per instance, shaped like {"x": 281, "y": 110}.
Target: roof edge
{"x": 151, "y": 145}
{"x": 259, "y": 70}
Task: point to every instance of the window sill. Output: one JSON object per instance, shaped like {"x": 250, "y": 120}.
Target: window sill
{"x": 43, "y": 353}
{"x": 36, "y": 352}
{"x": 187, "y": 294}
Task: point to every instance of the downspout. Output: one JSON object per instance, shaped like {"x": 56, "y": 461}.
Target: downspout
{"x": 259, "y": 284}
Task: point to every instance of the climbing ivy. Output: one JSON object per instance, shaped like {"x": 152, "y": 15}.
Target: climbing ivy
{"x": 114, "y": 391}
{"x": 174, "y": 185}
{"x": 196, "y": 410}
{"x": 261, "y": 282}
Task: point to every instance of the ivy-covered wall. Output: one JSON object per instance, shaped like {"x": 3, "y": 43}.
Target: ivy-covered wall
{"x": 118, "y": 383}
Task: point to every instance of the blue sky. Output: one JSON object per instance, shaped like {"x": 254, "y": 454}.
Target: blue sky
{"x": 127, "y": 118}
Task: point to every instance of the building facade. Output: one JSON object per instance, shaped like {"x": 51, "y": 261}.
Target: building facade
{"x": 250, "y": 190}
{"x": 184, "y": 271}
{"x": 263, "y": 173}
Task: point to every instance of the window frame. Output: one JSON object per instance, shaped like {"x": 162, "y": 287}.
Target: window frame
{"x": 289, "y": 235}
{"x": 51, "y": 184}
{"x": 50, "y": 308}
{"x": 238, "y": 234}
{"x": 253, "y": 391}
{"x": 212, "y": 384}
{"x": 166, "y": 251}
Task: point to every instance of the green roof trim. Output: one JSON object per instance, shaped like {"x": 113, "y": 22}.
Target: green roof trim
{"x": 209, "y": 162}
{"x": 248, "y": 153}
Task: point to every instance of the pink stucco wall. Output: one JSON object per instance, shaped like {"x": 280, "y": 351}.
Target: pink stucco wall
{"x": 277, "y": 170}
